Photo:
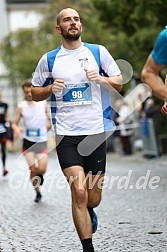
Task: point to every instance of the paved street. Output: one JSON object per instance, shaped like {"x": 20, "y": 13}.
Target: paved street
{"x": 132, "y": 215}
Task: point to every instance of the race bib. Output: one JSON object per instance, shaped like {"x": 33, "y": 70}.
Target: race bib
{"x": 77, "y": 94}
{"x": 33, "y": 132}
{"x": 84, "y": 63}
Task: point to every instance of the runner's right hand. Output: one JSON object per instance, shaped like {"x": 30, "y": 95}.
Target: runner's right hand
{"x": 58, "y": 86}
{"x": 17, "y": 132}
{"x": 164, "y": 109}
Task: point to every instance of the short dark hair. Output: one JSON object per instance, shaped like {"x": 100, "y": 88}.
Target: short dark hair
{"x": 27, "y": 83}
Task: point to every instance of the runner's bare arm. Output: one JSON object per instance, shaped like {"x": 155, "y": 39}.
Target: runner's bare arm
{"x": 15, "y": 127}
{"x": 150, "y": 76}
{"x": 41, "y": 93}
{"x": 114, "y": 81}
{"x": 164, "y": 107}
{"x": 48, "y": 115}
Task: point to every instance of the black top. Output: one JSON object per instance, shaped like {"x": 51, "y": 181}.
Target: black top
{"x": 3, "y": 110}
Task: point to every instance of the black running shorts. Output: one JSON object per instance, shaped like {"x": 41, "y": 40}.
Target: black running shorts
{"x": 37, "y": 147}
{"x": 75, "y": 150}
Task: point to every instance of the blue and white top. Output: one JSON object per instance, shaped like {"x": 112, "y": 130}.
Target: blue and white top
{"x": 159, "y": 53}
{"x": 83, "y": 108}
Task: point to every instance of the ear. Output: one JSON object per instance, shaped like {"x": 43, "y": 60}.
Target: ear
{"x": 57, "y": 29}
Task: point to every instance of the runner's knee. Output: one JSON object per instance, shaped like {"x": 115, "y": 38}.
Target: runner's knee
{"x": 32, "y": 168}
{"x": 80, "y": 196}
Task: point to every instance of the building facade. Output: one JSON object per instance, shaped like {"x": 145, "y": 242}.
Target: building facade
{"x": 14, "y": 15}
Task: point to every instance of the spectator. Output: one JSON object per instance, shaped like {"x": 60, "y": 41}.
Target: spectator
{"x": 125, "y": 120}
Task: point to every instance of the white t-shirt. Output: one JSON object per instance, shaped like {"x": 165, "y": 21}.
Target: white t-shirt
{"x": 34, "y": 119}
{"x": 90, "y": 112}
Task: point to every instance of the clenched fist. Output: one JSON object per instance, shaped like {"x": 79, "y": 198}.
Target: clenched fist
{"x": 58, "y": 86}
{"x": 164, "y": 109}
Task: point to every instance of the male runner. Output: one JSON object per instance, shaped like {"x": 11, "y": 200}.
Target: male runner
{"x": 4, "y": 124}
{"x": 35, "y": 116}
{"x": 81, "y": 115}
{"x": 157, "y": 60}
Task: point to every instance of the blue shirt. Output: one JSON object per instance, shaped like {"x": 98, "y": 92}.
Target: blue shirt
{"x": 159, "y": 52}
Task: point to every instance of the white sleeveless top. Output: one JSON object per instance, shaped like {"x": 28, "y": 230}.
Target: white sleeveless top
{"x": 34, "y": 119}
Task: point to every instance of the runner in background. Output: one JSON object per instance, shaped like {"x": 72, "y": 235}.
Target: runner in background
{"x": 34, "y": 116}
{"x": 4, "y": 125}
{"x": 156, "y": 61}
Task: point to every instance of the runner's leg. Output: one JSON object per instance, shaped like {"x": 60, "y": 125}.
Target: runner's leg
{"x": 3, "y": 157}
{"x": 94, "y": 188}
{"x": 42, "y": 162}
{"x": 76, "y": 178}
{"x": 3, "y": 149}
{"x": 30, "y": 158}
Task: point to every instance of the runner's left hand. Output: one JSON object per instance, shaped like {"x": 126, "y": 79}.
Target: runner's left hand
{"x": 93, "y": 75}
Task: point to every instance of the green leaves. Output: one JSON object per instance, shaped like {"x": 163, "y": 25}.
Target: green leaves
{"x": 128, "y": 29}
{"x": 135, "y": 25}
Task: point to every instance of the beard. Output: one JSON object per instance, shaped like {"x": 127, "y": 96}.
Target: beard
{"x": 70, "y": 37}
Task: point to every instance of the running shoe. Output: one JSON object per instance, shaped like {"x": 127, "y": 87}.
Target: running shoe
{"x": 41, "y": 178}
{"x": 5, "y": 172}
{"x": 94, "y": 219}
{"x": 38, "y": 197}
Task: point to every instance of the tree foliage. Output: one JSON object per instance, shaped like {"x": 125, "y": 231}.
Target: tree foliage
{"x": 21, "y": 50}
{"x": 135, "y": 25}
{"x": 130, "y": 15}
{"x": 127, "y": 28}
